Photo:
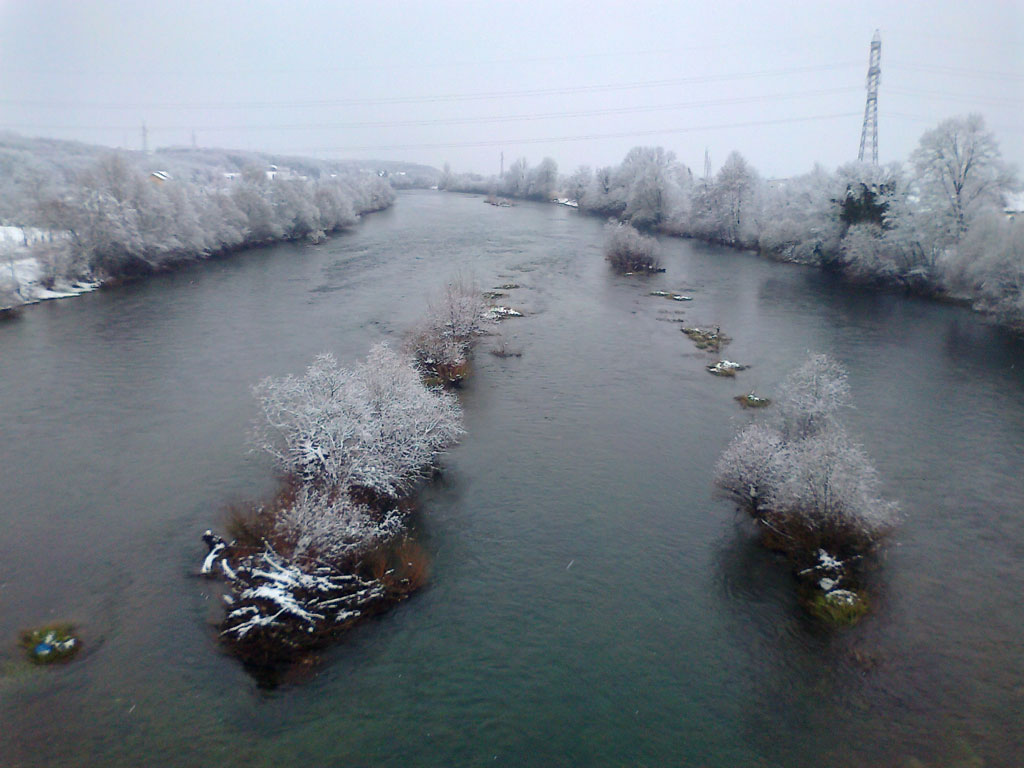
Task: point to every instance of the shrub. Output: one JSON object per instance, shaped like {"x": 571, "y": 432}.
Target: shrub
{"x": 629, "y": 251}
{"x": 375, "y": 427}
{"x": 802, "y": 476}
{"x": 441, "y": 343}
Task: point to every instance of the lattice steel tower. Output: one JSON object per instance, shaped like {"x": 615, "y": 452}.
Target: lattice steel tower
{"x": 870, "y": 130}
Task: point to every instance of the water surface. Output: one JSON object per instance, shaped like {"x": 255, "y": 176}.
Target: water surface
{"x": 592, "y": 602}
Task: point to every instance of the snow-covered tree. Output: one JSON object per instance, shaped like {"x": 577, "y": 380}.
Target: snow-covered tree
{"x": 746, "y": 470}
{"x": 988, "y": 264}
{"x": 801, "y": 219}
{"x": 812, "y": 398}
{"x": 374, "y": 427}
{"x": 578, "y": 182}
{"x": 735, "y": 197}
{"x": 629, "y": 251}
{"x": 542, "y": 181}
{"x": 604, "y": 196}
{"x": 802, "y": 477}
{"x": 441, "y": 341}
{"x": 327, "y": 525}
{"x": 648, "y": 178}
{"x": 515, "y": 183}
{"x": 960, "y": 170}
{"x": 827, "y": 495}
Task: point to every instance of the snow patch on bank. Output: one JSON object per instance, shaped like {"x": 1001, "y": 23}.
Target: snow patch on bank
{"x": 22, "y": 276}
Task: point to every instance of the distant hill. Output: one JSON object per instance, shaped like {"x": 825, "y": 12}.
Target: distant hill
{"x": 29, "y": 161}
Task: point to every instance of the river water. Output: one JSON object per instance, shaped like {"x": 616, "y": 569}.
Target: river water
{"x": 592, "y": 602}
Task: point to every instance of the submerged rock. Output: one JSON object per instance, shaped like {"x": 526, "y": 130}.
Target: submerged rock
{"x": 752, "y": 401}
{"x": 501, "y": 313}
{"x": 703, "y": 338}
{"x": 671, "y": 295}
{"x": 50, "y": 644}
{"x": 725, "y": 368}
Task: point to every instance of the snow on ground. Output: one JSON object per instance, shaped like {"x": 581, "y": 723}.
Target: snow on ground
{"x": 25, "y": 236}
{"x": 21, "y": 274}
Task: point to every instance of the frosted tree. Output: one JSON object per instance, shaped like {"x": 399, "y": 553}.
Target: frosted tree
{"x": 578, "y": 182}
{"x": 515, "y": 183}
{"x": 649, "y": 182}
{"x": 629, "y": 251}
{"x": 812, "y": 398}
{"x": 747, "y": 470}
{"x": 827, "y": 496}
{"x": 736, "y": 196}
{"x": 960, "y": 170}
{"x": 441, "y": 341}
{"x": 318, "y": 525}
{"x": 542, "y": 181}
{"x": 375, "y": 427}
{"x": 801, "y": 222}
{"x": 603, "y": 195}
{"x": 989, "y": 264}
{"x": 802, "y": 477}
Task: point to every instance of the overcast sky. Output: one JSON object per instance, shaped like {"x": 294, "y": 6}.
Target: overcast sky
{"x": 431, "y": 82}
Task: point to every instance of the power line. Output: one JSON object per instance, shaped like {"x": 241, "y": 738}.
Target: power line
{"x": 941, "y": 69}
{"x": 478, "y": 120}
{"x": 994, "y": 100}
{"x": 438, "y": 98}
{"x": 774, "y": 42}
{"x": 583, "y": 137}
{"x": 931, "y": 119}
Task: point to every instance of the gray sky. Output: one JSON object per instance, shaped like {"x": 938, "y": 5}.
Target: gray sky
{"x": 583, "y": 82}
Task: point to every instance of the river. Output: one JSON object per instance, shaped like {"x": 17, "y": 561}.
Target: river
{"x": 592, "y": 603}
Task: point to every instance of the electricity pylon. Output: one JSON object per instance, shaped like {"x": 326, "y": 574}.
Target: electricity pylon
{"x": 870, "y": 130}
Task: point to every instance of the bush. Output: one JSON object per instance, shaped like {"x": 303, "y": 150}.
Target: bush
{"x": 441, "y": 343}
{"x": 375, "y": 427}
{"x": 629, "y": 251}
{"x": 802, "y": 476}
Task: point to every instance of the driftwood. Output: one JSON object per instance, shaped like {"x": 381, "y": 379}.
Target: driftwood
{"x": 276, "y": 609}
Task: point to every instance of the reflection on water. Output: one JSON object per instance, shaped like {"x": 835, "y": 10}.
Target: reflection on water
{"x": 592, "y": 602}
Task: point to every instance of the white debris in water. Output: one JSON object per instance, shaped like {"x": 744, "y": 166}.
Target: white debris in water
{"x": 827, "y": 561}
{"x": 499, "y": 313}
{"x": 842, "y": 597}
{"x": 211, "y": 558}
{"x": 725, "y": 367}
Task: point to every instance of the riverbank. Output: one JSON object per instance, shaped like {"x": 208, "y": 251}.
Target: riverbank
{"x": 26, "y": 279}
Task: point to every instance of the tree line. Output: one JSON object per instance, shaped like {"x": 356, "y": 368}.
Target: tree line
{"x": 936, "y": 223}
{"x": 118, "y": 218}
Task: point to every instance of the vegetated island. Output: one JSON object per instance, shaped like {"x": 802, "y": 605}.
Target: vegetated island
{"x": 812, "y": 491}
{"x": 332, "y": 546}
{"x": 630, "y": 252}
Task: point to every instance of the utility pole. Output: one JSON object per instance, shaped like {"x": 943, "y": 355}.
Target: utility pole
{"x": 707, "y": 163}
{"x": 145, "y": 138}
{"x": 501, "y": 173}
{"x": 869, "y": 132}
